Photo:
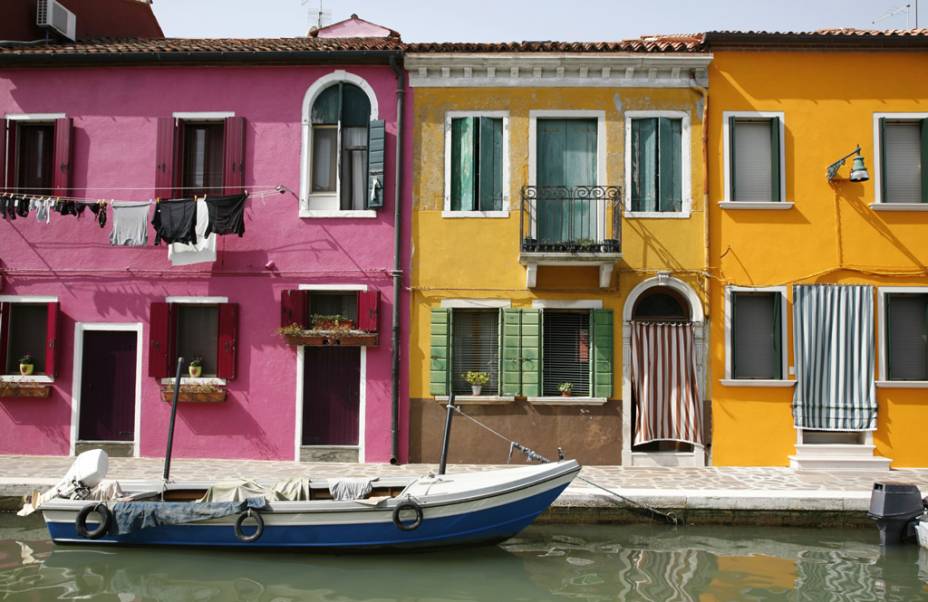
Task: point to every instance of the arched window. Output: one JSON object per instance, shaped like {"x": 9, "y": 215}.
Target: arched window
{"x": 661, "y": 304}
{"x": 340, "y": 119}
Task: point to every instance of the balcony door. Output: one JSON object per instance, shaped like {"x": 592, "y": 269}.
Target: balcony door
{"x": 566, "y": 154}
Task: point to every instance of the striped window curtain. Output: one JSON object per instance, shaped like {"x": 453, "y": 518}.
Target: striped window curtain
{"x": 665, "y": 383}
{"x": 834, "y": 350}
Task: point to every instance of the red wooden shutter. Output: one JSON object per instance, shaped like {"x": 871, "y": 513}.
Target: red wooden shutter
{"x": 294, "y": 308}
{"x": 7, "y": 126}
{"x": 51, "y": 340}
{"x": 61, "y": 168}
{"x": 228, "y": 341}
{"x": 160, "y": 340}
{"x": 4, "y": 334}
{"x": 165, "y": 158}
{"x": 233, "y": 170}
{"x": 368, "y": 310}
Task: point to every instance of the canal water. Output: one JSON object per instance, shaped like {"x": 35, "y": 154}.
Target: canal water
{"x": 566, "y": 563}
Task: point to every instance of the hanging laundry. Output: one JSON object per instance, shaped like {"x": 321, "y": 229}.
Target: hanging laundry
{"x": 99, "y": 209}
{"x": 42, "y": 208}
{"x": 8, "y": 207}
{"x": 22, "y": 206}
{"x": 175, "y": 221}
{"x": 130, "y": 223}
{"x": 202, "y": 251}
{"x": 74, "y": 208}
{"x": 226, "y": 214}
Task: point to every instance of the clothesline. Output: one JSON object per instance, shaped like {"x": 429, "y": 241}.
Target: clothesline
{"x": 254, "y": 194}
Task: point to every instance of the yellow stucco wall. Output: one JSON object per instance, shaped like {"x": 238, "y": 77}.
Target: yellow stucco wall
{"x": 479, "y": 257}
{"x": 831, "y": 235}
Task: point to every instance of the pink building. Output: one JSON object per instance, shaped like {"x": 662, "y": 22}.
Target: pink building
{"x": 104, "y": 312}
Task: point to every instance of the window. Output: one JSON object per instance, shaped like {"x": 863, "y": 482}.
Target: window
{"x": 566, "y": 348}
{"x": 202, "y": 152}
{"x": 199, "y": 153}
{"x": 903, "y": 155}
{"x": 475, "y": 348}
{"x": 34, "y": 169}
{"x": 28, "y": 328}
{"x": 907, "y": 336}
{"x": 476, "y": 164}
{"x": 197, "y": 334}
{"x": 756, "y": 335}
{"x": 334, "y": 304}
{"x": 656, "y": 164}
{"x": 35, "y": 154}
{"x": 191, "y": 329}
{"x": 754, "y": 159}
{"x": 305, "y": 307}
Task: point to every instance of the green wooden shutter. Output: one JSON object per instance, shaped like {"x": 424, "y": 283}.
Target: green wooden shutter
{"x": 375, "y": 163}
{"x": 777, "y": 336}
{"x": 775, "y": 166}
{"x": 531, "y": 352}
{"x": 462, "y": 164}
{"x": 510, "y": 335}
{"x": 602, "y": 325}
{"x": 882, "y": 159}
{"x": 490, "y": 168}
{"x": 644, "y": 164}
{"x": 670, "y": 150}
{"x": 732, "y": 346}
{"x": 441, "y": 351}
{"x": 924, "y": 165}
{"x": 732, "y": 151}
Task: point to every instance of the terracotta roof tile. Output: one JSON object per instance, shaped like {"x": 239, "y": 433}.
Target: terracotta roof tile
{"x": 656, "y": 43}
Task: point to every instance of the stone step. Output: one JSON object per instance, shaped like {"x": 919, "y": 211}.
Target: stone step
{"x": 822, "y": 462}
{"x": 812, "y": 450}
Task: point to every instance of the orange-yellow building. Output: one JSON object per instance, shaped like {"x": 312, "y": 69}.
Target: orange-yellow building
{"x": 829, "y": 265}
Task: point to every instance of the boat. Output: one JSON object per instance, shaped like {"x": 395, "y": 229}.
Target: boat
{"x": 433, "y": 510}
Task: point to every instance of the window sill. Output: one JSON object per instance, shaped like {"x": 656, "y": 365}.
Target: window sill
{"x": 203, "y": 380}
{"x": 757, "y": 206}
{"x": 656, "y": 215}
{"x": 746, "y": 382}
{"x": 337, "y": 213}
{"x": 478, "y": 399}
{"x": 902, "y": 384}
{"x": 32, "y": 378}
{"x": 899, "y": 206}
{"x": 560, "y": 400}
{"x": 475, "y": 214}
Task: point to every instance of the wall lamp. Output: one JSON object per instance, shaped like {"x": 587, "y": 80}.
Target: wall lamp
{"x": 859, "y": 171}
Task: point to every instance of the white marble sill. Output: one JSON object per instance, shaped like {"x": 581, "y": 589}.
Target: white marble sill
{"x": 753, "y": 205}
{"x": 899, "y": 206}
{"x": 338, "y": 213}
{"x": 32, "y": 378}
{"x": 475, "y": 214}
{"x": 902, "y": 384}
{"x": 746, "y": 382}
{"x": 560, "y": 400}
{"x": 203, "y": 380}
{"x": 477, "y": 399}
{"x": 656, "y": 214}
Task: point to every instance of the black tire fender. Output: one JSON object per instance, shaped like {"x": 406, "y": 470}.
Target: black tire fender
{"x": 106, "y": 518}
{"x": 259, "y": 526}
{"x": 407, "y": 526}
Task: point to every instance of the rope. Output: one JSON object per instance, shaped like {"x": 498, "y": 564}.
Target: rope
{"x": 535, "y": 456}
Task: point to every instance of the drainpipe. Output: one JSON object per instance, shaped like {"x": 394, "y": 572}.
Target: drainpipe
{"x": 703, "y": 93}
{"x": 397, "y": 272}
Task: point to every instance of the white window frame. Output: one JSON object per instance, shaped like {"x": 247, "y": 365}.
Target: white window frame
{"x": 306, "y": 159}
{"x": 877, "y": 171}
{"x": 447, "y": 211}
{"x": 600, "y": 117}
{"x": 686, "y": 165}
{"x": 883, "y": 348}
{"x": 32, "y": 378}
{"x": 730, "y": 380}
{"x": 727, "y": 202}
{"x": 202, "y": 380}
{"x": 300, "y": 378}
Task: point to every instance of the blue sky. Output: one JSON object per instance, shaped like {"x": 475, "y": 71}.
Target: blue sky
{"x": 499, "y": 20}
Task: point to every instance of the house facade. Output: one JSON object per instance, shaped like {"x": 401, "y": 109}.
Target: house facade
{"x": 559, "y": 233}
{"x": 280, "y": 155}
{"x": 817, "y": 211}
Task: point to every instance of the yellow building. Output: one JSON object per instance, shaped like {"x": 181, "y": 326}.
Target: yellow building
{"x": 819, "y": 283}
{"x": 559, "y": 204}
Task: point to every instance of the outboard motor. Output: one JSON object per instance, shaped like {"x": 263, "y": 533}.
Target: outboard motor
{"x": 895, "y": 507}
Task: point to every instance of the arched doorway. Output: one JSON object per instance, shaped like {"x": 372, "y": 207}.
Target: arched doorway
{"x": 663, "y": 375}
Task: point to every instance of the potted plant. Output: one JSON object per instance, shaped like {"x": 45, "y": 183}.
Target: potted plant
{"x": 26, "y": 364}
{"x": 195, "y": 368}
{"x": 566, "y": 389}
{"x": 334, "y": 322}
{"x": 476, "y": 380}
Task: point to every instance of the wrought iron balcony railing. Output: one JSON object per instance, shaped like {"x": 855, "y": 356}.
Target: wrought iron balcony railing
{"x": 571, "y": 219}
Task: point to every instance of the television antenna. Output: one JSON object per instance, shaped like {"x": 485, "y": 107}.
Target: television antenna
{"x": 316, "y": 15}
{"x": 906, "y": 8}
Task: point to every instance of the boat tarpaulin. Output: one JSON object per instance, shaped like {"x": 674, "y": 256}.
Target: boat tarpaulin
{"x": 135, "y": 516}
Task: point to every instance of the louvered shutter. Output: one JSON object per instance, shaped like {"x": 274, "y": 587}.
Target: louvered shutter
{"x": 462, "y": 164}
{"x": 4, "y": 334}
{"x": 531, "y": 352}
{"x": 368, "y": 310}
{"x": 61, "y": 167}
{"x": 51, "y": 339}
{"x": 227, "y": 350}
{"x": 511, "y": 370}
{"x": 755, "y": 161}
{"x": 165, "y": 159}
{"x": 160, "y": 340}
{"x": 376, "y": 163}
{"x": 775, "y": 167}
{"x": 603, "y": 356}
{"x": 440, "y": 355}
{"x": 233, "y": 168}
{"x": 732, "y": 162}
{"x": 883, "y": 174}
{"x": 294, "y": 308}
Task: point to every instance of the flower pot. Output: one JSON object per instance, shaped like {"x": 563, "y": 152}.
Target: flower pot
{"x": 565, "y": 393}
{"x": 195, "y": 371}
{"x": 476, "y": 389}
{"x": 26, "y": 369}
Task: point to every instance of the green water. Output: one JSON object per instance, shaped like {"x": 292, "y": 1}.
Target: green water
{"x": 545, "y": 563}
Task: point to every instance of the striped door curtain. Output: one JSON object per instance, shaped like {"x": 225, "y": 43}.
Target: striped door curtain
{"x": 834, "y": 349}
{"x": 665, "y": 384}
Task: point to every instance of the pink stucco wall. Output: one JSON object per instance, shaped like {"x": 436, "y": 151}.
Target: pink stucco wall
{"x": 114, "y": 111}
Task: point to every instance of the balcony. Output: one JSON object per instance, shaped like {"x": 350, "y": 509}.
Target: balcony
{"x": 563, "y": 225}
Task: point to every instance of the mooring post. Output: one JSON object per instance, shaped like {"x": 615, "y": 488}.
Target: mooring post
{"x": 167, "y": 453}
{"x": 443, "y": 460}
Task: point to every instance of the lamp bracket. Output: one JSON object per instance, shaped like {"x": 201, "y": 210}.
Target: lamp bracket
{"x": 834, "y": 167}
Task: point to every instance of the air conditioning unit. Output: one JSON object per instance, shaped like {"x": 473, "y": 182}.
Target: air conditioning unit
{"x": 53, "y": 15}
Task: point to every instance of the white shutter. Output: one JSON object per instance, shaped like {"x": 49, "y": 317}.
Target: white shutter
{"x": 753, "y": 178}
{"x": 903, "y": 161}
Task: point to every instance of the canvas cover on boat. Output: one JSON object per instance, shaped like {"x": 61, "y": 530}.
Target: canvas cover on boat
{"x": 288, "y": 490}
{"x": 135, "y": 516}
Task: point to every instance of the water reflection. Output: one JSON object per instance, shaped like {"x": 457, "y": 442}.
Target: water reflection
{"x": 546, "y": 563}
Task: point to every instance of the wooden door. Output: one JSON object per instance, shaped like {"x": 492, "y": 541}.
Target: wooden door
{"x": 331, "y": 395}
{"x": 108, "y": 373}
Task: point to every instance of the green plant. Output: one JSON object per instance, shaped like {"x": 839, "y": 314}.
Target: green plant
{"x": 27, "y": 359}
{"x": 196, "y": 362}
{"x": 332, "y": 322}
{"x": 565, "y": 387}
{"x": 293, "y": 329}
{"x": 476, "y": 378}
